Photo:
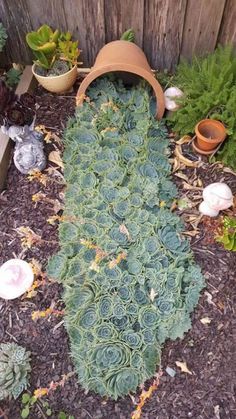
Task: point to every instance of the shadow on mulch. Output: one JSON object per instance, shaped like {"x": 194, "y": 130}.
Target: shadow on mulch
{"x": 208, "y": 350}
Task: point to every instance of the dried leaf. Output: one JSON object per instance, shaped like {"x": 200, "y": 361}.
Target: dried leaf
{"x": 217, "y": 411}
{"x": 191, "y": 233}
{"x": 205, "y": 320}
{"x": 183, "y": 367}
{"x": 209, "y": 298}
{"x": 123, "y": 229}
{"x": 179, "y": 155}
{"x": 184, "y": 140}
{"x": 57, "y": 206}
{"x": 188, "y": 187}
{"x": 153, "y": 294}
{"x": 182, "y": 176}
{"x": 55, "y": 157}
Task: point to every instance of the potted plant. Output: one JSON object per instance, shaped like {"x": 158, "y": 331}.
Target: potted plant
{"x": 209, "y": 134}
{"x": 56, "y": 56}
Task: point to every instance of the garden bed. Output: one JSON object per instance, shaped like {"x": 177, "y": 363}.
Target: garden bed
{"x": 207, "y": 349}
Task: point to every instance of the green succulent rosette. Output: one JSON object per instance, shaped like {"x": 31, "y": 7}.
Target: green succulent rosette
{"x": 129, "y": 278}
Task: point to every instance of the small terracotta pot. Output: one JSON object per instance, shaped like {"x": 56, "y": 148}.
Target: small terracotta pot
{"x": 123, "y": 56}
{"x": 57, "y": 84}
{"x": 209, "y": 134}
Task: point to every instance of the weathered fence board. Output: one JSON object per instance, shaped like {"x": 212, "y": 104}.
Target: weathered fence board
{"x": 227, "y": 32}
{"x": 163, "y": 26}
{"x": 86, "y": 22}
{"x": 202, "y": 23}
{"x": 16, "y": 18}
{"x": 44, "y": 11}
{"x": 121, "y": 15}
{"x": 166, "y": 29}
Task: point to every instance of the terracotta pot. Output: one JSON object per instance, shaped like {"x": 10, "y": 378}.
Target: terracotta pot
{"x": 209, "y": 134}
{"x": 123, "y": 56}
{"x": 57, "y": 84}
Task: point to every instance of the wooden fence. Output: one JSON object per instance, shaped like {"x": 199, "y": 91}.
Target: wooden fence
{"x": 165, "y": 29}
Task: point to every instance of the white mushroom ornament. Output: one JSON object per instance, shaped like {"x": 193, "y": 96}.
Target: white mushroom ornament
{"x": 216, "y": 197}
{"x": 16, "y": 277}
{"x": 170, "y": 94}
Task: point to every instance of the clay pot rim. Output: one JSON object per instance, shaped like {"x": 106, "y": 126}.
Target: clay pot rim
{"x": 203, "y": 152}
{"x": 215, "y": 122}
{"x": 52, "y": 77}
{"x": 129, "y": 68}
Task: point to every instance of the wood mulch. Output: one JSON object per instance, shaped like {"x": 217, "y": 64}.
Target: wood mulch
{"x": 208, "y": 349}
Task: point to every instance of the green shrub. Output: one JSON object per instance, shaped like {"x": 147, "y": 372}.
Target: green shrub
{"x": 209, "y": 86}
{"x": 227, "y": 235}
{"x": 14, "y": 369}
{"x": 128, "y": 275}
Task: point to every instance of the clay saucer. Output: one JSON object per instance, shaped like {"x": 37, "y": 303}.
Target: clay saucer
{"x": 203, "y": 152}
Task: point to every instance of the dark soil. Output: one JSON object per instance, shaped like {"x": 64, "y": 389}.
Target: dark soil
{"x": 208, "y": 349}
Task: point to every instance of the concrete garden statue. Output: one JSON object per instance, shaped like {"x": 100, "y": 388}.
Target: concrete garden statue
{"x": 17, "y": 121}
{"x": 216, "y": 197}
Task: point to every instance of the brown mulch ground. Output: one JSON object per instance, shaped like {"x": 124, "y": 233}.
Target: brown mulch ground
{"x": 208, "y": 350}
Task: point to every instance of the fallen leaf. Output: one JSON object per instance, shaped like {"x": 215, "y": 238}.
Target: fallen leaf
{"x": 153, "y": 294}
{"x": 191, "y": 233}
{"x": 182, "y": 176}
{"x": 55, "y": 157}
{"x": 184, "y": 140}
{"x": 57, "y": 206}
{"x": 123, "y": 229}
{"x": 183, "y": 367}
{"x": 209, "y": 298}
{"x": 205, "y": 320}
{"x": 180, "y": 156}
{"x": 217, "y": 411}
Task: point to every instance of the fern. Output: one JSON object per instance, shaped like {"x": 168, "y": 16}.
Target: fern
{"x": 209, "y": 85}
{"x": 128, "y": 275}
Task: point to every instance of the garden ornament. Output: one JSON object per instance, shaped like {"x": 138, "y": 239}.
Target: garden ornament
{"x": 16, "y": 277}
{"x": 216, "y": 197}
{"x": 28, "y": 154}
{"x": 170, "y": 94}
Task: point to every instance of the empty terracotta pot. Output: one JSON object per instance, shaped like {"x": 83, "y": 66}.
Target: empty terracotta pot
{"x": 209, "y": 134}
{"x": 123, "y": 56}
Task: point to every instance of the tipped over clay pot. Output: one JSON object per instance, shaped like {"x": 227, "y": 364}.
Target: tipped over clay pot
{"x": 123, "y": 56}
{"x": 209, "y": 134}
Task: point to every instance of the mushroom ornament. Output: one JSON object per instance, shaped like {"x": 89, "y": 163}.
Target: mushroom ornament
{"x": 216, "y": 197}
{"x": 16, "y": 277}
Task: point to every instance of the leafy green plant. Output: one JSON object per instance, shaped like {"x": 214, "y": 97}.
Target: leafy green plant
{"x": 13, "y": 77}
{"x": 51, "y": 47}
{"x": 3, "y": 37}
{"x": 209, "y": 86}
{"x": 14, "y": 369}
{"x": 28, "y": 401}
{"x": 128, "y": 275}
{"x": 227, "y": 234}
{"x": 128, "y": 35}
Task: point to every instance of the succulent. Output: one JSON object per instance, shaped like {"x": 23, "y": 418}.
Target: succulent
{"x": 52, "y": 49}
{"x": 14, "y": 369}
{"x": 3, "y": 36}
{"x": 128, "y": 35}
{"x": 227, "y": 233}
{"x": 59, "y": 67}
{"x": 129, "y": 278}
{"x": 15, "y": 110}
